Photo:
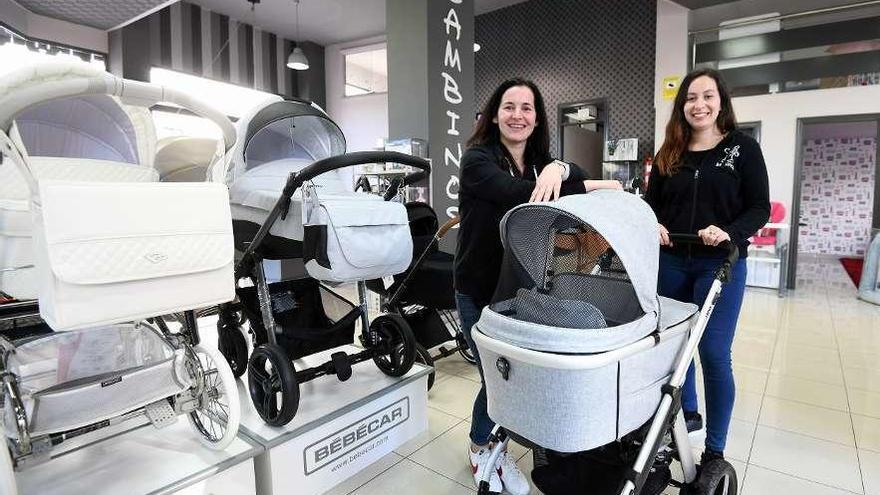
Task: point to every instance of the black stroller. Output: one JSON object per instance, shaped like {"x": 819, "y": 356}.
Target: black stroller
{"x": 290, "y": 203}
{"x": 424, "y": 295}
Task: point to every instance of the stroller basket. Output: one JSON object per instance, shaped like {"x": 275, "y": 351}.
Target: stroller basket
{"x": 309, "y": 317}
{"x": 73, "y": 379}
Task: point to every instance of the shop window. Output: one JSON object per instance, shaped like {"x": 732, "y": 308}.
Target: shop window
{"x": 366, "y": 72}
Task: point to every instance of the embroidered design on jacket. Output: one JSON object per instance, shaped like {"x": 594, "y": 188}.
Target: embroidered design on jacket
{"x": 730, "y": 154}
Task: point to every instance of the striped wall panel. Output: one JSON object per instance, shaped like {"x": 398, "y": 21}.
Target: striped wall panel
{"x": 188, "y": 38}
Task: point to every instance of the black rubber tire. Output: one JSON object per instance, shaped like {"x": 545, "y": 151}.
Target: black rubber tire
{"x": 232, "y": 343}
{"x": 717, "y": 477}
{"x": 464, "y": 349}
{"x": 264, "y": 385}
{"x": 424, "y": 357}
{"x": 395, "y": 349}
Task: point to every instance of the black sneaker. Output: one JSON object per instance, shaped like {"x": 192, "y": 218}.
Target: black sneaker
{"x": 693, "y": 420}
{"x": 710, "y": 455}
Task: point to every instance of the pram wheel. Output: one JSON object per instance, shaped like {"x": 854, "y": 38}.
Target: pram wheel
{"x": 233, "y": 345}
{"x": 218, "y": 412}
{"x": 394, "y": 344}
{"x": 272, "y": 384}
{"x": 424, "y": 357}
{"x": 717, "y": 477}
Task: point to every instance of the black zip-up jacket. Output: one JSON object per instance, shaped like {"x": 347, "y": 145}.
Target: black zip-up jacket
{"x": 725, "y": 186}
{"x": 487, "y": 191}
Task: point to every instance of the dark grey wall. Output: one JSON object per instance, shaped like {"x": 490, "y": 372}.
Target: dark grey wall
{"x": 576, "y": 50}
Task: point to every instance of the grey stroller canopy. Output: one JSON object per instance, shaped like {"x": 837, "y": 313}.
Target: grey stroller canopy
{"x": 579, "y": 275}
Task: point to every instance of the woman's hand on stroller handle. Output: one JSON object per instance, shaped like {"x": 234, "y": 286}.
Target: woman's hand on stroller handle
{"x": 729, "y": 260}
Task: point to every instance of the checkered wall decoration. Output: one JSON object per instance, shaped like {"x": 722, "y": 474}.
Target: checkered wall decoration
{"x": 576, "y": 50}
{"x": 837, "y": 196}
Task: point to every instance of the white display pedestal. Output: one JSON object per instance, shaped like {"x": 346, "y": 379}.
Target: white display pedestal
{"x": 146, "y": 461}
{"x": 340, "y": 427}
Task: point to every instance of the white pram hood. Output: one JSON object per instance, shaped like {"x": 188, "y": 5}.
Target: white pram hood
{"x": 630, "y": 304}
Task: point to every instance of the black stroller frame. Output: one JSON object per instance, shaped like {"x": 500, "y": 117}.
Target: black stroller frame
{"x": 387, "y": 340}
{"x": 395, "y": 299}
{"x": 717, "y": 476}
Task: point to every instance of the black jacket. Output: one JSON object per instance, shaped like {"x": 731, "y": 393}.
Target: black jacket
{"x": 487, "y": 191}
{"x": 725, "y": 186}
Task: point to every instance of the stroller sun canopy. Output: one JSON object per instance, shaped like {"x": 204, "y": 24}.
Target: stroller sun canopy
{"x": 626, "y": 222}
{"x": 289, "y": 129}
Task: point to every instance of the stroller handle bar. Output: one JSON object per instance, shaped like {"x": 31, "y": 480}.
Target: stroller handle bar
{"x": 723, "y": 272}
{"x": 446, "y": 227}
{"x": 362, "y": 157}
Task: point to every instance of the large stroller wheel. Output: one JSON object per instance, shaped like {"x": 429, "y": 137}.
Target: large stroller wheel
{"x": 395, "y": 345}
{"x": 233, "y": 345}
{"x": 217, "y": 416}
{"x": 424, "y": 357}
{"x": 717, "y": 477}
{"x": 272, "y": 385}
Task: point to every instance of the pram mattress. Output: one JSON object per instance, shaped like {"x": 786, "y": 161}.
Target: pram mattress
{"x": 570, "y": 402}
{"x": 73, "y": 379}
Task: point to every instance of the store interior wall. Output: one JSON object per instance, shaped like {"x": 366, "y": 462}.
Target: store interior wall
{"x": 837, "y": 188}
{"x": 48, "y": 29}
{"x": 576, "y": 51}
{"x": 363, "y": 118}
{"x": 672, "y": 59}
{"x": 184, "y": 37}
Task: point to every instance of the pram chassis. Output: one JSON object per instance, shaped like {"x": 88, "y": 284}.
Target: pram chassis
{"x": 393, "y": 304}
{"x": 196, "y": 401}
{"x": 717, "y": 473}
{"x": 377, "y": 337}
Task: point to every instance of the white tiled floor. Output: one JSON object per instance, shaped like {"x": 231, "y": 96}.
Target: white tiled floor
{"x": 806, "y": 421}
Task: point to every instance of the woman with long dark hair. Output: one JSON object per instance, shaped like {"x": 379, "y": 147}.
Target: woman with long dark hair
{"x": 709, "y": 179}
{"x": 507, "y": 163}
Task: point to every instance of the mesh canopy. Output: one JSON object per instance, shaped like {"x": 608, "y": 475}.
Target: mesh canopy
{"x": 283, "y": 130}
{"x": 604, "y": 235}
{"x": 92, "y": 127}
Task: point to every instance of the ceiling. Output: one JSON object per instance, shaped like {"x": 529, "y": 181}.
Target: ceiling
{"x": 699, "y": 4}
{"x": 323, "y": 21}
{"x": 94, "y": 13}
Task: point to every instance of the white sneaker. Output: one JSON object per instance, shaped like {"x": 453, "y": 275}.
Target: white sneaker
{"x": 515, "y": 482}
{"x": 478, "y": 460}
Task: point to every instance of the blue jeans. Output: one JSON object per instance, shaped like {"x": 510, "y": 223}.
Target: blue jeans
{"x": 481, "y": 425}
{"x": 688, "y": 279}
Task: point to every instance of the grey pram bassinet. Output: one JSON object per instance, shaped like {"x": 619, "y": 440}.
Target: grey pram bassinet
{"x": 577, "y": 345}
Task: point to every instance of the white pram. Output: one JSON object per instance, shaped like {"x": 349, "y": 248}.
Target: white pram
{"x": 110, "y": 248}
{"x": 577, "y": 349}
{"x": 291, "y": 201}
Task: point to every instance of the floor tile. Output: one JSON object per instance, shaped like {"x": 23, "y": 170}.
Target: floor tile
{"x": 805, "y": 457}
{"x": 760, "y": 481}
{"x": 739, "y": 440}
{"x": 862, "y": 379}
{"x": 750, "y": 379}
{"x": 864, "y": 402}
{"x": 814, "y": 421}
{"x": 807, "y": 391}
{"x": 454, "y": 395}
{"x": 364, "y": 476}
{"x": 409, "y": 477}
{"x": 867, "y": 431}
{"x": 870, "y": 464}
{"x": 438, "y": 424}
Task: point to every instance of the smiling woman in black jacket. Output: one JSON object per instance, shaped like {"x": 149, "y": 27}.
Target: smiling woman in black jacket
{"x": 710, "y": 180}
{"x": 507, "y": 163}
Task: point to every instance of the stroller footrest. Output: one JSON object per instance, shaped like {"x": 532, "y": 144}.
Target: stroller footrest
{"x": 160, "y": 413}
{"x": 341, "y": 365}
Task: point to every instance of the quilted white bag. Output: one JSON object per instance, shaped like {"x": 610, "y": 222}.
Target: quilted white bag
{"x": 347, "y": 239}
{"x": 115, "y": 252}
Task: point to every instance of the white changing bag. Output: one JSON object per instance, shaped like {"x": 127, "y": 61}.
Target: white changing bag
{"x": 356, "y": 237}
{"x": 115, "y": 252}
